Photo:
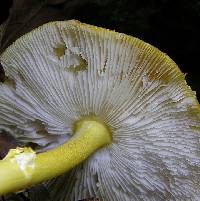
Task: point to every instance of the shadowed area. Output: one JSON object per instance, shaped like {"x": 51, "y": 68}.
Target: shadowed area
{"x": 6, "y": 142}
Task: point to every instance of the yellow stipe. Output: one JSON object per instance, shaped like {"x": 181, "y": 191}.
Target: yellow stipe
{"x": 89, "y": 136}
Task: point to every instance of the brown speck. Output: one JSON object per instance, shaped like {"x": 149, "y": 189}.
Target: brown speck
{"x": 59, "y": 51}
{"x": 81, "y": 67}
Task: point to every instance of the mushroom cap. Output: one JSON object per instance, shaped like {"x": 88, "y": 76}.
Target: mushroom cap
{"x": 64, "y": 71}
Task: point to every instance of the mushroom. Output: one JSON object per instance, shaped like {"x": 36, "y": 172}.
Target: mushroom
{"x": 108, "y": 112}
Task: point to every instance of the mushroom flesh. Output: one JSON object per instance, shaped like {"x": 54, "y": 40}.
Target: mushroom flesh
{"x": 65, "y": 74}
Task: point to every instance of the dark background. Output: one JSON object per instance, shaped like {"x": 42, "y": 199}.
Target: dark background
{"x": 170, "y": 25}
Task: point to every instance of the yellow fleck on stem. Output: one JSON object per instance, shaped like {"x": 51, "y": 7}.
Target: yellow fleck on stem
{"x": 15, "y": 175}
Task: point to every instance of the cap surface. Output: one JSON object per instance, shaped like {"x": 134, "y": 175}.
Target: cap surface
{"x": 63, "y": 71}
